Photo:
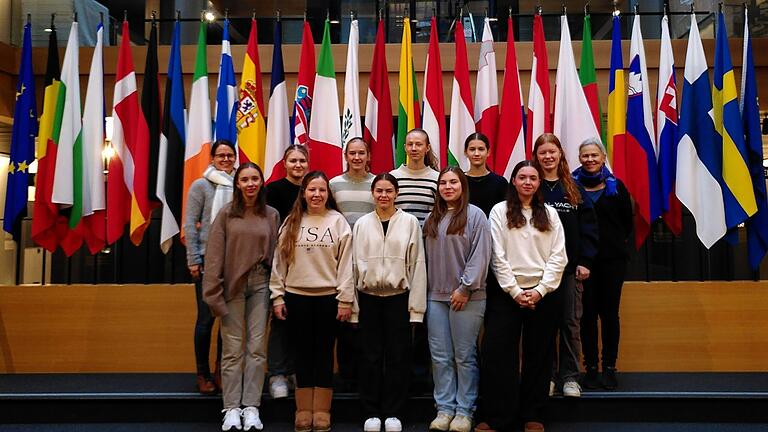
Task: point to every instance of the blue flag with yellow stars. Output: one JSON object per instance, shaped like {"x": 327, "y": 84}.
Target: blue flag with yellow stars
{"x": 22, "y": 143}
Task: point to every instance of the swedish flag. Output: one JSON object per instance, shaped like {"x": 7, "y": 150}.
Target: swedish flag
{"x": 22, "y": 143}
{"x": 738, "y": 194}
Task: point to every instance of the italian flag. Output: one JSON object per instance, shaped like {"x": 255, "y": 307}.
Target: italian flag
{"x": 462, "y": 124}
{"x": 324, "y": 128}
{"x": 408, "y": 97}
{"x": 198, "y": 144}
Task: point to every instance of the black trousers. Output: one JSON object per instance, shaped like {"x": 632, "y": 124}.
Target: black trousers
{"x": 511, "y": 392}
{"x": 203, "y": 331}
{"x": 385, "y": 342}
{"x": 312, "y": 329}
{"x": 602, "y": 295}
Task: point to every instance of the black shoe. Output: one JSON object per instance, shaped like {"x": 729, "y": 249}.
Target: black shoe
{"x": 591, "y": 379}
{"x": 609, "y": 378}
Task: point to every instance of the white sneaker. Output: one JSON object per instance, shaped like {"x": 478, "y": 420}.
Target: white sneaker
{"x": 251, "y": 419}
{"x": 552, "y": 388}
{"x": 442, "y": 422}
{"x": 392, "y": 424}
{"x": 373, "y": 424}
{"x": 231, "y": 419}
{"x": 460, "y": 423}
{"x": 571, "y": 389}
{"x": 278, "y": 387}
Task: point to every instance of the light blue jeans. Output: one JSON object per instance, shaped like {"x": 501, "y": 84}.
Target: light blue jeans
{"x": 453, "y": 346}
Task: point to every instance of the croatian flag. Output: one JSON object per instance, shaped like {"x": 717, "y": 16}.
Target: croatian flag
{"x": 642, "y": 171}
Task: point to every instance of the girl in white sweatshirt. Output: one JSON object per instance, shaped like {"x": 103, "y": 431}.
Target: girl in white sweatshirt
{"x": 391, "y": 280}
{"x": 528, "y": 259}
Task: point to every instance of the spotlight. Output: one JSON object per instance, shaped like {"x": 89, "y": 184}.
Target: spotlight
{"x": 210, "y": 17}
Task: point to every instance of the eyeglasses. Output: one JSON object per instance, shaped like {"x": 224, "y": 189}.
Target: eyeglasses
{"x": 225, "y": 156}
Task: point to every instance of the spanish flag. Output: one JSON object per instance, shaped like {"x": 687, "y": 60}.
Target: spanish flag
{"x": 252, "y": 129}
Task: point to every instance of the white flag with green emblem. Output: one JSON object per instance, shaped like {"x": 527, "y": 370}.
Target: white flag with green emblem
{"x": 350, "y": 121}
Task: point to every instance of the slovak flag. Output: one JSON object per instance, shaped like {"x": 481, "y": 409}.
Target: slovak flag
{"x": 642, "y": 172}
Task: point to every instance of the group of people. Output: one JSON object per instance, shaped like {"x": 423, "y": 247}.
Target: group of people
{"x": 448, "y": 250}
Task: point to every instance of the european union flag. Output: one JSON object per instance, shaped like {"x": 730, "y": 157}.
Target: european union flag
{"x": 22, "y": 143}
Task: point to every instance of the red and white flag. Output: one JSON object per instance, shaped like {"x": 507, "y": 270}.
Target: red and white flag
{"x": 510, "y": 147}
{"x": 462, "y": 123}
{"x": 539, "y": 93}
{"x": 305, "y": 86}
{"x": 378, "y": 110}
{"x": 487, "y": 91}
{"x": 433, "y": 121}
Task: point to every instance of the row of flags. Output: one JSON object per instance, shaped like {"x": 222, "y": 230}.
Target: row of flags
{"x": 709, "y": 149}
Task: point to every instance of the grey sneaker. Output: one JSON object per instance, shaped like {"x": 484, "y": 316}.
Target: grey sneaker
{"x": 231, "y": 419}
{"x": 278, "y": 387}
{"x": 251, "y": 419}
{"x": 441, "y": 423}
{"x": 373, "y": 424}
{"x": 460, "y": 423}
{"x": 392, "y": 424}
{"x": 571, "y": 389}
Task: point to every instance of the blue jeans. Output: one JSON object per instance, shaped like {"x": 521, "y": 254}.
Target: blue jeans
{"x": 453, "y": 344}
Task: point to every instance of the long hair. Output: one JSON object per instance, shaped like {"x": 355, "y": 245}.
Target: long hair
{"x": 292, "y": 224}
{"x": 430, "y": 159}
{"x": 238, "y": 200}
{"x": 570, "y": 188}
{"x": 367, "y": 150}
{"x": 459, "y": 220}
{"x": 515, "y": 217}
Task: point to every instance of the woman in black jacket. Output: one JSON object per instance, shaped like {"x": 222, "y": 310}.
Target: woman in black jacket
{"x": 602, "y": 291}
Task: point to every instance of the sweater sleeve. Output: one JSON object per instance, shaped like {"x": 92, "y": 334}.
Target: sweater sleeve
{"x": 476, "y": 269}
{"x": 499, "y": 261}
{"x": 553, "y": 269}
{"x": 193, "y": 215}
{"x": 344, "y": 277}
{"x": 588, "y": 231}
{"x": 213, "y": 277}
{"x": 278, "y": 275}
{"x": 416, "y": 273}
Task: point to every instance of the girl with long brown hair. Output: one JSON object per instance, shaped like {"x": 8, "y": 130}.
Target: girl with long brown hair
{"x": 581, "y": 233}
{"x": 458, "y": 246}
{"x": 313, "y": 288}
{"x": 528, "y": 260}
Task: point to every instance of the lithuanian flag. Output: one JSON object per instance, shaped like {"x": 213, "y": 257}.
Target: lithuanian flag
{"x": 408, "y": 98}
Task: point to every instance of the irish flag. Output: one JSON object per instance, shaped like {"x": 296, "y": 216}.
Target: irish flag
{"x": 198, "y": 144}
{"x": 324, "y": 130}
{"x": 408, "y": 97}
{"x": 462, "y": 124}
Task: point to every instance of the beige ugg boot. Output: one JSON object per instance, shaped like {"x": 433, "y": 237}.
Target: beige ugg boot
{"x": 304, "y": 397}
{"x": 321, "y": 409}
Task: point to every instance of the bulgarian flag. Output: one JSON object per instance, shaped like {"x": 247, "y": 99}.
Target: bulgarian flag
{"x": 324, "y": 128}
{"x": 378, "y": 109}
{"x": 128, "y": 170}
{"x": 251, "y": 126}
{"x": 462, "y": 124}
{"x": 434, "y": 105}
{"x": 588, "y": 77}
{"x": 408, "y": 97}
{"x": 487, "y": 92}
{"x": 198, "y": 143}
{"x": 48, "y": 227}
{"x": 68, "y": 176}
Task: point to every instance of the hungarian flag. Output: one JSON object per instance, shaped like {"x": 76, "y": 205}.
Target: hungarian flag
{"x": 305, "y": 84}
{"x": 150, "y": 106}
{"x": 251, "y": 126}
{"x": 278, "y": 133}
{"x": 408, "y": 96}
{"x": 617, "y": 104}
{"x": 350, "y": 122}
{"x": 433, "y": 121}
{"x": 487, "y": 92}
{"x": 48, "y": 227}
{"x": 666, "y": 131}
{"x": 22, "y": 142}
{"x": 571, "y": 107}
{"x": 324, "y": 133}
{"x": 170, "y": 162}
{"x": 92, "y": 226}
{"x": 226, "y": 101}
{"x": 510, "y": 147}
{"x": 462, "y": 124}
{"x": 378, "y": 110}
{"x": 68, "y": 178}
{"x": 539, "y": 94}
{"x": 642, "y": 178}
{"x": 588, "y": 76}
{"x": 197, "y": 150}
{"x": 127, "y": 185}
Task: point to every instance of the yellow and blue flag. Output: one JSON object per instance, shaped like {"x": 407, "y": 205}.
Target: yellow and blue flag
{"x": 22, "y": 143}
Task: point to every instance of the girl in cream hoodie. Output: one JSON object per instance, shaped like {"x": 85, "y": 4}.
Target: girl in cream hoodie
{"x": 391, "y": 281}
